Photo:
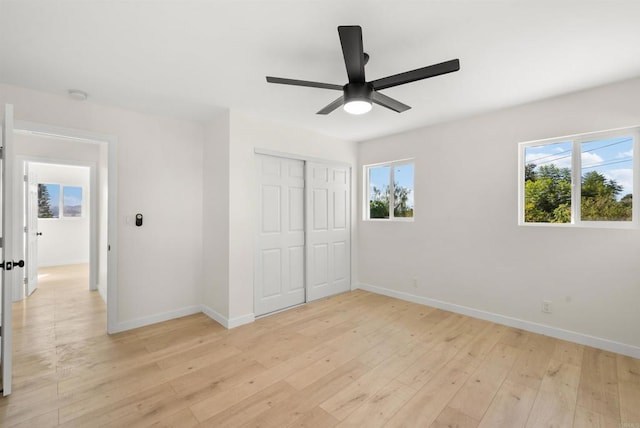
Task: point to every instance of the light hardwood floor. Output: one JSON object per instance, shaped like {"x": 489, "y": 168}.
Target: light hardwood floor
{"x": 354, "y": 360}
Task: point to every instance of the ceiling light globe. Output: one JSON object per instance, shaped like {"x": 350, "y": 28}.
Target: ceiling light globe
{"x": 77, "y": 94}
{"x": 357, "y": 107}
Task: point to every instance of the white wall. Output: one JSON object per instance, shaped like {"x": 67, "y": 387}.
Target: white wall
{"x": 159, "y": 175}
{"x": 247, "y": 134}
{"x": 216, "y": 218}
{"x": 64, "y": 240}
{"x": 465, "y": 247}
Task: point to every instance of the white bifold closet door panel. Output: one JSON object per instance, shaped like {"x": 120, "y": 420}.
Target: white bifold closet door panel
{"x": 328, "y": 230}
{"x": 279, "y": 272}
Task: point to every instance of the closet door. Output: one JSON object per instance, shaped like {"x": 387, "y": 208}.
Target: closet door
{"x": 279, "y": 260}
{"x": 328, "y": 230}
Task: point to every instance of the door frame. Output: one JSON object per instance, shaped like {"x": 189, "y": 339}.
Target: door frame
{"x": 111, "y": 142}
{"x": 21, "y": 160}
{"x": 9, "y": 229}
{"x": 306, "y": 159}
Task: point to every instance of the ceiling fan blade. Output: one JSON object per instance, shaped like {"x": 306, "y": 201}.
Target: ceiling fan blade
{"x": 353, "y": 52}
{"x": 418, "y": 74}
{"x": 388, "y": 102}
{"x": 331, "y": 107}
{"x": 307, "y": 83}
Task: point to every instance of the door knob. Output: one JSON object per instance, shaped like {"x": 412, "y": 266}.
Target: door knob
{"x": 8, "y": 265}
{"x": 39, "y": 234}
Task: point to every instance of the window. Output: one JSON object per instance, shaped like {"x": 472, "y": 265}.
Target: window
{"x": 389, "y": 185}
{"x": 72, "y": 201}
{"x": 586, "y": 180}
{"x": 48, "y": 200}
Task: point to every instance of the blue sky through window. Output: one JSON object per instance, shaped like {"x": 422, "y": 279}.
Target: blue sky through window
{"x": 72, "y": 201}
{"x": 54, "y": 196}
{"x": 72, "y": 195}
{"x": 379, "y": 178}
{"x": 611, "y": 157}
{"x": 402, "y": 174}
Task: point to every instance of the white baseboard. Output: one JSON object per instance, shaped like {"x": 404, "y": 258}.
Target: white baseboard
{"x": 558, "y": 333}
{"x": 216, "y": 316}
{"x": 153, "y": 319}
{"x": 241, "y": 320}
{"x": 227, "y": 322}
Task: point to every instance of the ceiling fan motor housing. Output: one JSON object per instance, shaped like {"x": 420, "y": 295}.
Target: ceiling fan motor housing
{"x": 358, "y": 92}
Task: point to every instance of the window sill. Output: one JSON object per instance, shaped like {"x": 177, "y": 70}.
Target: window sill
{"x": 387, "y": 220}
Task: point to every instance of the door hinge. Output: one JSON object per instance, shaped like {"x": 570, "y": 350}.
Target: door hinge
{"x": 1, "y": 152}
{"x": 26, "y": 178}
{"x": 2, "y": 242}
{"x": 26, "y": 229}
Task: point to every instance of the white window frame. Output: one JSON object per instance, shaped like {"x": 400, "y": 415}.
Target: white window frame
{"x": 576, "y": 178}
{"x": 391, "y": 165}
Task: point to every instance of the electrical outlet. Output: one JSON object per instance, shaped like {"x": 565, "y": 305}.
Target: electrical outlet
{"x": 414, "y": 282}
{"x": 546, "y": 306}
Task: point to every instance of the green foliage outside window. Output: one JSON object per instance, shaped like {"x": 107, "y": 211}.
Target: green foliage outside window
{"x": 379, "y": 202}
{"x": 548, "y": 196}
{"x": 44, "y": 205}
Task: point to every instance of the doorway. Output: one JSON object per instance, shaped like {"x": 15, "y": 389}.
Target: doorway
{"x": 60, "y": 219}
{"x": 80, "y": 151}
{"x": 303, "y": 239}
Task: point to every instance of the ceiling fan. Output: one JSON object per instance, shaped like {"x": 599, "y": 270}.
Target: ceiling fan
{"x": 358, "y": 95}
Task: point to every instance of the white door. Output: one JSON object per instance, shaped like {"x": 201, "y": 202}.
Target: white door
{"x": 31, "y": 230}
{"x": 328, "y": 230}
{"x": 279, "y": 260}
{"x": 8, "y": 247}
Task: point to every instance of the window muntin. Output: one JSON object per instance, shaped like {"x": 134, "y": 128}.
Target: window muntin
{"x": 389, "y": 185}
{"x": 586, "y": 180}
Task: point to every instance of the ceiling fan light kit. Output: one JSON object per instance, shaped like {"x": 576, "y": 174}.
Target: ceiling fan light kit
{"x": 357, "y": 107}
{"x": 359, "y": 95}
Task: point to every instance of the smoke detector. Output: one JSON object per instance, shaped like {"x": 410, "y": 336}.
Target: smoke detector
{"x": 77, "y": 94}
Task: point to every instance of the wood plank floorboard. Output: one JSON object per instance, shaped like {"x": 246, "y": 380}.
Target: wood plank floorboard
{"x": 353, "y": 360}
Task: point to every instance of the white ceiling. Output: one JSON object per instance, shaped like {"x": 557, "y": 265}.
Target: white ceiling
{"x": 190, "y": 58}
